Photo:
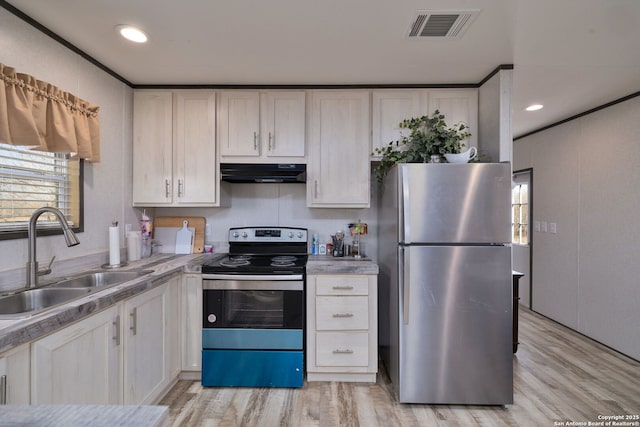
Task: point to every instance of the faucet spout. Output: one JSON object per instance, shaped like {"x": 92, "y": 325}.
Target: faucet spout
{"x": 69, "y": 236}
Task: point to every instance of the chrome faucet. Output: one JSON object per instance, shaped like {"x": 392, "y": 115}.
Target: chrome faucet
{"x": 32, "y": 263}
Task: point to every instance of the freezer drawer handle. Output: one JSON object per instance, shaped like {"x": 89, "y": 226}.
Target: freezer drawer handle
{"x": 343, "y": 315}
{"x": 343, "y": 288}
{"x": 343, "y": 351}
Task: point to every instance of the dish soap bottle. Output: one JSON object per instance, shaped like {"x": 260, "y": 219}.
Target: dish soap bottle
{"x": 314, "y": 245}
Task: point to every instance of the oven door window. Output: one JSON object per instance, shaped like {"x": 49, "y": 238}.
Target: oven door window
{"x": 253, "y": 309}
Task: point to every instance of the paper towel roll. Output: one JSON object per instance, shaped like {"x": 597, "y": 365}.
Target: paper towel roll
{"x": 114, "y": 245}
{"x": 134, "y": 243}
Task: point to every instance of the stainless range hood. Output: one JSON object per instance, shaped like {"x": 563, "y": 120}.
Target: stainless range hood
{"x": 264, "y": 173}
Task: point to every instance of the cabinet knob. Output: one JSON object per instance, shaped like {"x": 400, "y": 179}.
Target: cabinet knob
{"x": 347, "y": 351}
{"x": 342, "y": 315}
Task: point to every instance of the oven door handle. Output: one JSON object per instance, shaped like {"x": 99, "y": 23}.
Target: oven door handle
{"x": 255, "y": 285}
{"x": 247, "y": 277}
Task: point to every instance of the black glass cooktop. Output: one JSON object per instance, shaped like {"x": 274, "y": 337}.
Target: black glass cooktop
{"x": 256, "y": 264}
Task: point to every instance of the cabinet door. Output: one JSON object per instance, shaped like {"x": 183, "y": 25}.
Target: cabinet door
{"x": 79, "y": 364}
{"x": 191, "y": 322}
{"x": 283, "y": 124}
{"x": 146, "y": 343}
{"x": 390, "y": 108}
{"x": 152, "y": 148}
{"x": 458, "y": 106}
{"x": 338, "y": 167}
{"x": 195, "y": 148}
{"x": 14, "y": 376}
{"x": 239, "y": 123}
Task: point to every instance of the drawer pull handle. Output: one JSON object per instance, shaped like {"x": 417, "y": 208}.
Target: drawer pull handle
{"x": 343, "y": 351}
{"x": 3, "y": 390}
{"x": 343, "y": 315}
{"x": 116, "y": 330}
{"x": 134, "y": 320}
{"x": 343, "y": 288}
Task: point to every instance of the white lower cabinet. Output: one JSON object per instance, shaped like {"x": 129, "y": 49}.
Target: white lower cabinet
{"x": 342, "y": 328}
{"x": 79, "y": 364}
{"x": 191, "y": 300}
{"x": 126, "y": 354}
{"x": 150, "y": 343}
{"x": 14, "y": 376}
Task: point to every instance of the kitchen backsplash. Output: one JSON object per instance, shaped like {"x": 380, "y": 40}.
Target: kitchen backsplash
{"x": 279, "y": 204}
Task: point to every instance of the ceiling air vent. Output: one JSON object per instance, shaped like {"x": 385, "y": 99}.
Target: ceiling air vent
{"x": 441, "y": 24}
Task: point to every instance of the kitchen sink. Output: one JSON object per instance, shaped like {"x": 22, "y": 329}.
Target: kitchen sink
{"x": 99, "y": 279}
{"x": 34, "y": 300}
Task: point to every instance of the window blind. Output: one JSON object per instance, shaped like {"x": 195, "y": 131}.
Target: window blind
{"x": 33, "y": 179}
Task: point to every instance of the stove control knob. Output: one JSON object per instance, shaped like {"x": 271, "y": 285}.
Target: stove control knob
{"x": 235, "y": 234}
{"x": 290, "y": 235}
{"x": 244, "y": 234}
{"x": 299, "y": 235}
{"x": 212, "y": 318}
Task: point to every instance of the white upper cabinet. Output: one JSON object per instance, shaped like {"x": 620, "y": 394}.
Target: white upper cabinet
{"x": 283, "y": 124}
{"x": 174, "y": 149}
{"x": 195, "y": 148}
{"x": 458, "y": 106}
{"x": 261, "y": 127}
{"x": 152, "y": 148}
{"x": 338, "y": 171}
{"x": 239, "y": 123}
{"x": 390, "y": 107}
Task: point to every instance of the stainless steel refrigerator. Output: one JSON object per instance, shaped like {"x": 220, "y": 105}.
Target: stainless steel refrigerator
{"x": 445, "y": 299}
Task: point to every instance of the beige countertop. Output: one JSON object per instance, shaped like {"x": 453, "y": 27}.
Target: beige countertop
{"x": 84, "y": 415}
{"x": 321, "y": 264}
{"x": 14, "y": 332}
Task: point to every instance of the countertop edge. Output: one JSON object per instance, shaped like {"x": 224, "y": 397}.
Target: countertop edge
{"x": 15, "y": 332}
{"x": 85, "y": 415}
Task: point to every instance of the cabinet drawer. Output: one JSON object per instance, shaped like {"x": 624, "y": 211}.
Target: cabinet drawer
{"x": 342, "y": 349}
{"x": 342, "y": 285}
{"x": 342, "y": 313}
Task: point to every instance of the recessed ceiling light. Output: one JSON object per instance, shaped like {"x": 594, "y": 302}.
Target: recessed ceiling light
{"x": 132, "y": 33}
{"x": 534, "y": 107}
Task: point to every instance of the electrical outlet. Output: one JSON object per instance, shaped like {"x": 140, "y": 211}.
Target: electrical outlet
{"x": 127, "y": 228}
{"x": 543, "y": 226}
{"x": 207, "y": 230}
{"x": 536, "y": 226}
{"x": 553, "y": 227}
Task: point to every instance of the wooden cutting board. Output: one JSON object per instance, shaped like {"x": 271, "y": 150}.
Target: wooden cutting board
{"x": 166, "y": 236}
{"x": 197, "y": 222}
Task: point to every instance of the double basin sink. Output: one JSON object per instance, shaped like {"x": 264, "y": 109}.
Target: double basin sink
{"x": 32, "y": 301}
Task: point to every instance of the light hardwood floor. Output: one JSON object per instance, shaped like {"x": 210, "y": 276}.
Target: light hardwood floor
{"x": 559, "y": 376}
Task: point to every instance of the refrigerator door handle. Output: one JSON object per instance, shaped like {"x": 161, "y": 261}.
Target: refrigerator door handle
{"x": 404, "y": 281}
{"x": 404, "y": 206}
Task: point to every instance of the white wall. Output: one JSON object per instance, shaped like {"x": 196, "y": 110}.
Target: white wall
{"x": 586, "y": 174}
{"x": 279, "y": 204}
{"x": 494, "y": 117}
{"x": 108, "y": 183}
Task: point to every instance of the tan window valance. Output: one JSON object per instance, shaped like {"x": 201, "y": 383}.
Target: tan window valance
{"x": 40, "y": 115}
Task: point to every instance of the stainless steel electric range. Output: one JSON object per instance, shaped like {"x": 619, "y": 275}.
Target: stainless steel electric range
{"x": 253, "y": 310}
